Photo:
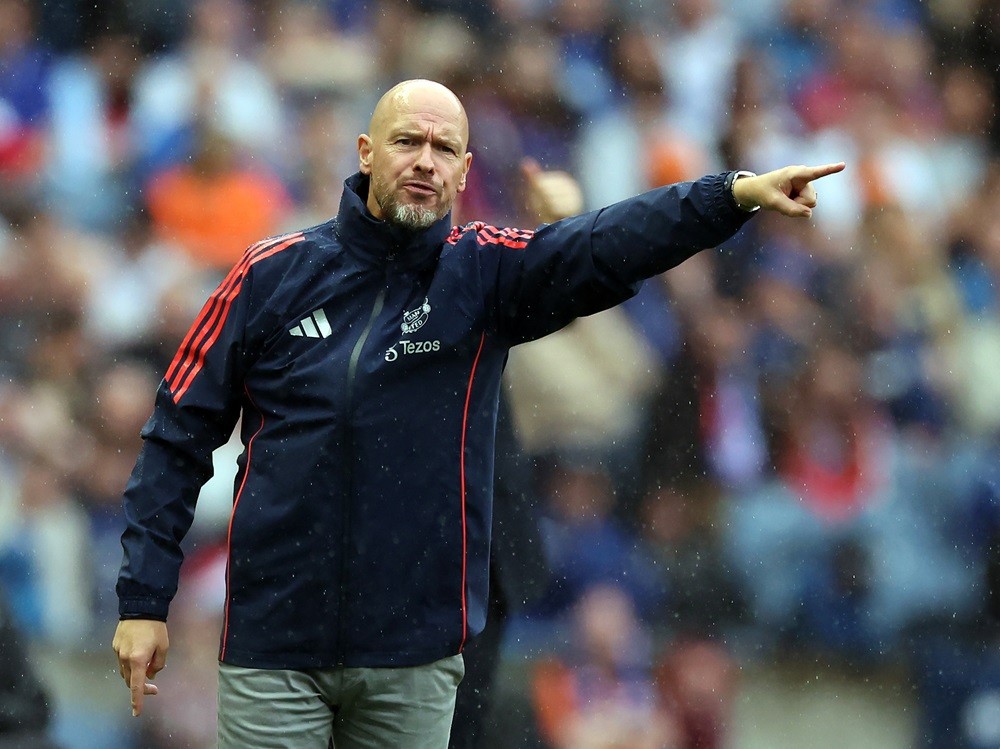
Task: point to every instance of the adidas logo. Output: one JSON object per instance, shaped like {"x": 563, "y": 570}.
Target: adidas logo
{"x": 313, "y": 326}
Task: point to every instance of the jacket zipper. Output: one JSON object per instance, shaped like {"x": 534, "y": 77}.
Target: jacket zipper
{"x": 352, "y": 368}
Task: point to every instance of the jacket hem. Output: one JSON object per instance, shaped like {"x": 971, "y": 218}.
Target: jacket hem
{"x": 300, "y": 661}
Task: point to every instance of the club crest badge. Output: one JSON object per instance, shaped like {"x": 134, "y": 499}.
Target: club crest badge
{"x": 414, "y": 319}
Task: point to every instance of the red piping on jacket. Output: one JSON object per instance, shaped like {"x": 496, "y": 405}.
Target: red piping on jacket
{"x": 232, "y": 516}
{"x": 465, "y": 421}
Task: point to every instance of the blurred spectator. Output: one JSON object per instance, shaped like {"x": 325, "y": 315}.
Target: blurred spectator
{"x": 960, "y": 152}
{"x": 213, "y": 80}
{"x": 214, "y": 208}
{"x": 315, "y": 175}
{"x": 24, "y": 102}
{"x": 786, "y": 318}
{"x": 561, "y": 405}
{"x": 24, "y": 705}
{"x": 707, "y": 421}
{"x": 955, "y": 659}
{"x": 310, "y": 56}
{"x": 975, "y": 347}
{"x": 698, "y": 49}
{"x": 699, "y": 680}
{"x": 845, "y": 549}
{"x": 388, "y": 42}
{"x": 678, "y": 527}
{"x": 852, "y": 70}
{"x": 915, "y": 318}
{"x": 978, "y": 33}
{"x": 128, "y": 288}
{"x": 55, "y": 267}
{"x": 586, "y": 545}
{"x": 45, "y": 543}
{"x": 635, "y": 144}
{"x": 799, "y": 48}
{"x": 601, "y": 694}
{"x": 92, "y": 133}
{"x": 529, "y": 86}
{"x": 121, "y": 405}
{"x": 584, "y": 33}
{"x": 494, "y": 187}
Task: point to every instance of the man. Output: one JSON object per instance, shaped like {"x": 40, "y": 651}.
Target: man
{"x": 365, "y": 355}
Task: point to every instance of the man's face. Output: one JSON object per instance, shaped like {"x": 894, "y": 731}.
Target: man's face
{"x": 415, "y": 154}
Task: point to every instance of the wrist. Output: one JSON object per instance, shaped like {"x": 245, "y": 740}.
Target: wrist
{"x": 737, "y": 185}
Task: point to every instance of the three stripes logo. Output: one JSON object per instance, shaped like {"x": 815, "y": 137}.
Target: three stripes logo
{"x": 314, "y": 325}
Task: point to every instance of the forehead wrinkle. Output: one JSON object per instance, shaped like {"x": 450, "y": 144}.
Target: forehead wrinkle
{"x": 399, "y": 100}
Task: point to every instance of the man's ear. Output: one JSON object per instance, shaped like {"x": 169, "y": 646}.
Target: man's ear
{"x": 468, "y": 163}
{"x": 364, "y": 154}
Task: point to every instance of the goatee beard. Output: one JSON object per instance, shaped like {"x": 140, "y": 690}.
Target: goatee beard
{"x": 413, "y": 217}
{"x": 406, "y": 216}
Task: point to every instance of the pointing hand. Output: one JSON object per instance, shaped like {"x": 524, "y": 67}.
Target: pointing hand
{"x": 788, "y": 191}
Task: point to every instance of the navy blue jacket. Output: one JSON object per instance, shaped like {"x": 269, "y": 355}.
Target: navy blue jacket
{"x": 366, "y": 364}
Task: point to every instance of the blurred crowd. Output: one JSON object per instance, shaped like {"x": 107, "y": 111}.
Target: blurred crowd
{"x": 789, "y": 444}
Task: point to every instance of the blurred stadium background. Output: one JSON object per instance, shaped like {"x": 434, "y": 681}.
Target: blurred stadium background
{"x": 769, "y": 486}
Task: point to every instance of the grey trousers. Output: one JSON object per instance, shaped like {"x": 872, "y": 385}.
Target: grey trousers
{"x": 358, "y": 708}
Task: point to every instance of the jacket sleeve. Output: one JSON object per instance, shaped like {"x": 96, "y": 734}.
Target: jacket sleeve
{"x": 588, "y": 263}
{"x": 197, "y": 406}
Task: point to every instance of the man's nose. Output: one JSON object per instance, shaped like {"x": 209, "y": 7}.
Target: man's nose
{"x": 425, "y": 160}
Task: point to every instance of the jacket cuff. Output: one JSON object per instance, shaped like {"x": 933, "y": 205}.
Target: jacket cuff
{"x": 143, "y": 608}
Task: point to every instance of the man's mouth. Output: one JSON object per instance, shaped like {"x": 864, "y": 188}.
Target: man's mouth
{"x": 419, "y": 188}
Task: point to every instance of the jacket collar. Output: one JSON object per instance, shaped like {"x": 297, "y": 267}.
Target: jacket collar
{"x": 377, "y": 241}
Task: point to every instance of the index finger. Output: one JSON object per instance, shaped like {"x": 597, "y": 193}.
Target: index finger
{"x": 137, "y": 683}
{"x": 815, "y": 172}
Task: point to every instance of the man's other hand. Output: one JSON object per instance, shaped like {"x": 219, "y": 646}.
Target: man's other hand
{"x": 551, "y": 195}
{"x": 141, "y": 646}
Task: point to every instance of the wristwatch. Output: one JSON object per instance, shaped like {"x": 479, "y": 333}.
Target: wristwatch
{"x": 731, "y": 181}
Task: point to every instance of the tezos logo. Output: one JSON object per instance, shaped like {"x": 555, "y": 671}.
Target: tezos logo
{"x": 411, "y": 347}
{"x": 415, "y": 318}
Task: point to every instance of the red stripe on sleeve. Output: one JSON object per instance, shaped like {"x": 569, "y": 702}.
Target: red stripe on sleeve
{"x": 516, "y": 239}
{"x": 182, "y": 359}
{"x": 212, "y": 328}
{"x": 487, "y": 235}
{"x": 458, "y": 232}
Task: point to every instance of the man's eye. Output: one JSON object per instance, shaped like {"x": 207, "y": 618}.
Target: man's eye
{"x": 404, "y": 141}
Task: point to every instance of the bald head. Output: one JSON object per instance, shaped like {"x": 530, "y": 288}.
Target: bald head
{"x": 415, "y": 95}
{"x": 416, "y": 153}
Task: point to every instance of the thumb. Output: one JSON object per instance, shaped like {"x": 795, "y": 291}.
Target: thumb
{"x": 157, "y": 663}
{"x": 789, "y": 207}
{"x": 530, "y": 168}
